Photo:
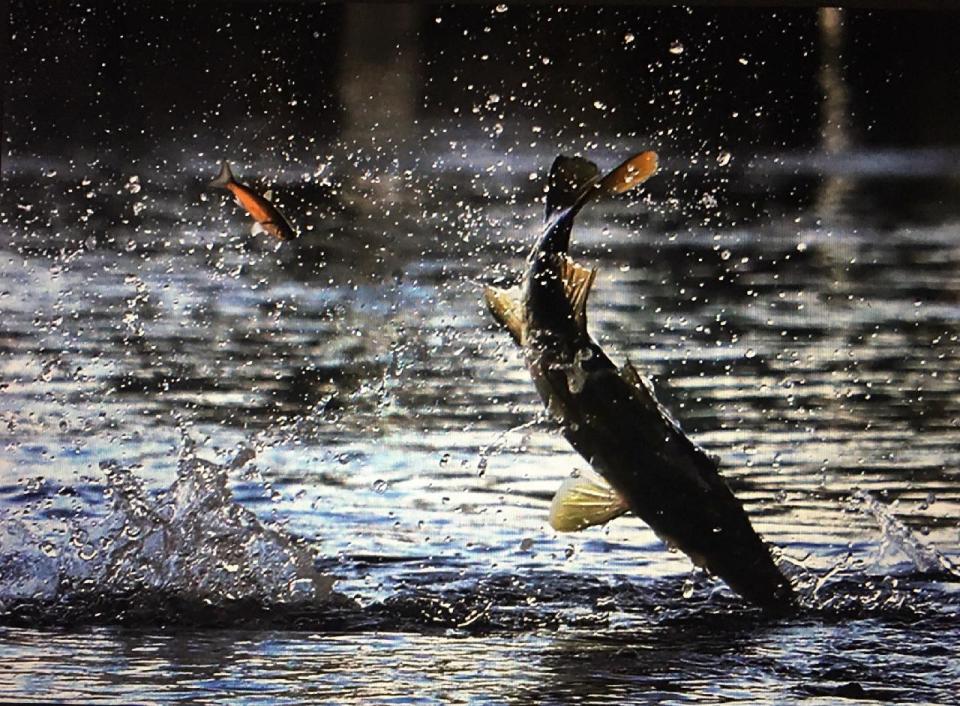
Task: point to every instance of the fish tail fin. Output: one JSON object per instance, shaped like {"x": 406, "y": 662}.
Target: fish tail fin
{"x": 224, "y": 178}
{"x": 574, "y": 181}
{"x": 505, "y": 309}
{"x": 630, "y": 174}
{"x": 577, "y": 281}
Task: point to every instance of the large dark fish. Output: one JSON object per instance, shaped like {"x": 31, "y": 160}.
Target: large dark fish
{"x": 268, "y": 218}
{"x": 610, "y": 415}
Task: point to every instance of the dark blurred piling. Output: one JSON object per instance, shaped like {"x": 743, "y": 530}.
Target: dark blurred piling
{"x": 379, "y": 79}
{"x": 834, "y": 111}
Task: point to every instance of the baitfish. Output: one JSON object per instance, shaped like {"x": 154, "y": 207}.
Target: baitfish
{"x": 644, "y": 462}
{"x": 268, "y": 218}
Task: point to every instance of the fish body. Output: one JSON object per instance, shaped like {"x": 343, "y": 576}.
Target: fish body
{"x": 267, "y": 217}
{"x": 611, "y": 416}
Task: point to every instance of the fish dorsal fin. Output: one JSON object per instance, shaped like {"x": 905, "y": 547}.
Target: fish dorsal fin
{"x": 569, "y": 177}
{"x": 504, "y": 304}
{"x": 644, "y": 387}
{"x": 577, "y": 281}
{"x": 631, "y": 375}
{"x": 584, "y": 501}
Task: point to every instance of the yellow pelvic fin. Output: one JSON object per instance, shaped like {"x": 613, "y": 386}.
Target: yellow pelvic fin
{"x": 504, "y": 304}
{"x": 631, "y": 173}
{"x": 577, "y": 281}
{"x": 585, "y": 501}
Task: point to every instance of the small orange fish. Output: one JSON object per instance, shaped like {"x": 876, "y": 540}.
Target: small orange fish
{"x": 268, "y": 218}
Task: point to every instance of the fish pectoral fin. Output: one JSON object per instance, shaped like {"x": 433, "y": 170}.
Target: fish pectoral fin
{"x": 569, "y": 177}
{"x": 585, "y": 501}
{"x": 577, "y": 281}
{"x": 630, "y": 174}
{"x": 504, "y": 304}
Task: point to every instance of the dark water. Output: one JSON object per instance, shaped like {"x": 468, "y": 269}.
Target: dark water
{"x": 234, "y": 473}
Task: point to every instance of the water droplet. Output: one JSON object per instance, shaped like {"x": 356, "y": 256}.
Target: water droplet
{"x": 628, "y": 38}
{"x": 380, "y": 486}
{"x": 750, "y": 353}
{"x": 676, "y": 48}
{"x": 725, "y": 255}
{"x": 301, "y": 588}
{"x": 87, "y": 552}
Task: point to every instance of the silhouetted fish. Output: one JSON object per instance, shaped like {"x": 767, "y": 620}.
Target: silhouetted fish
{"x": 268, "y": 218}
{"x": 611, "y": 416}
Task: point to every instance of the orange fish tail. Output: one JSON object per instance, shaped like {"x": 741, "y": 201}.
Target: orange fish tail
{"x": 224, "y": 178}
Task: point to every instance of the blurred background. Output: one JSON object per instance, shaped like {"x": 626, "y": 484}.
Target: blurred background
{"x": 343, "y": 89}
{"x": 744, "y": 78}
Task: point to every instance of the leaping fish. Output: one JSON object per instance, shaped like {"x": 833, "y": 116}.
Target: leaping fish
{"x": 267, "y": 216}
{"x": 644, "y": 462}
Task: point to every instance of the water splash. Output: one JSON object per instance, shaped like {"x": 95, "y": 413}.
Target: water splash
{"x": 499, "y": 442}
{"x": 895, "y": 582}
{"x": 898, "y": 541}
{"x": 187, "y": 548}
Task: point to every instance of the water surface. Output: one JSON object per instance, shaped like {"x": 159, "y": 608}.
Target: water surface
{"x": 319, "y": 473}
